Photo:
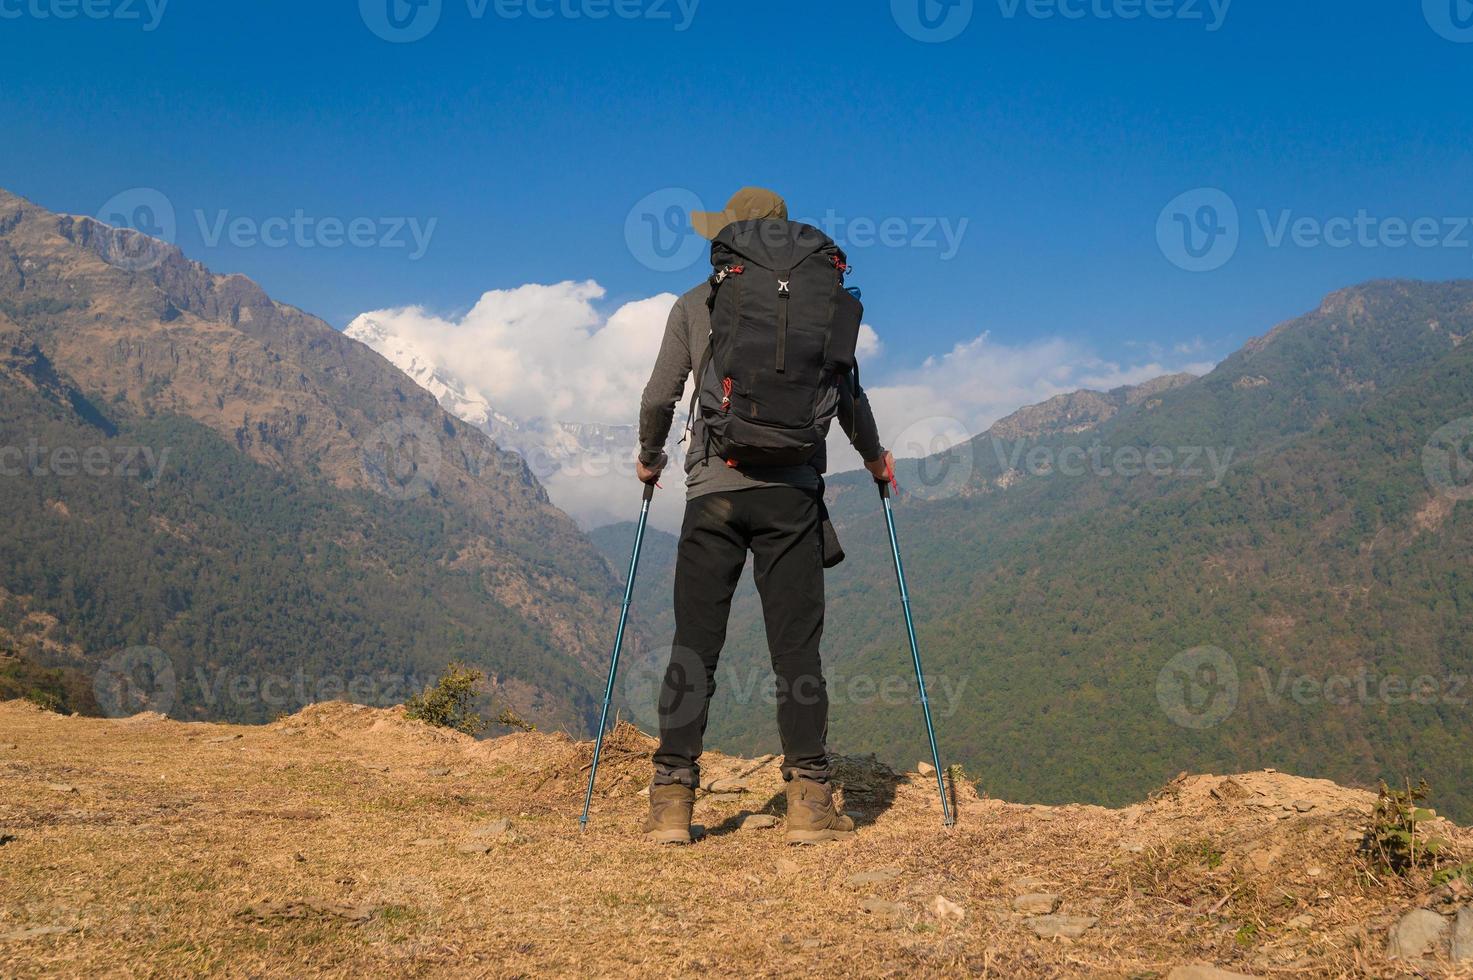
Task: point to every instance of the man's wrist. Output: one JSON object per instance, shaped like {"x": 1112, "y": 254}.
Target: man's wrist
{"x": 649, "y": 457}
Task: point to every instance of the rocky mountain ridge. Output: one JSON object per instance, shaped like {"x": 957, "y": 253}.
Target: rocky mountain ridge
{"x": 1081, "y": 410}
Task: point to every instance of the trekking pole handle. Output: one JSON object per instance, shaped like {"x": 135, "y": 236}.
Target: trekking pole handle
{"x": 649, "y": 491}
{"x": 887, "y": 483}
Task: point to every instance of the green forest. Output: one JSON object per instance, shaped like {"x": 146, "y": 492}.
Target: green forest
{"x": 264, "y": 588}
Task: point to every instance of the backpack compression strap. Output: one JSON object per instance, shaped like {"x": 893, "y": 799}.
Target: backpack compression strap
{"x": 784, "y": 290}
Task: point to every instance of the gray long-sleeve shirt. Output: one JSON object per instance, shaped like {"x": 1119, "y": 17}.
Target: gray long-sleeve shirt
{"x": 687, "y": 334}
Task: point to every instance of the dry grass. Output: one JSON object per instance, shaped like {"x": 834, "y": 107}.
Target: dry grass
{"x": 328, "y": 844}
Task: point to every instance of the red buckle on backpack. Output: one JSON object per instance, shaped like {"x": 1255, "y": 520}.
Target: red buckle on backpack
{"x": 732, "y": 464}
{"x": 725, "y": 394}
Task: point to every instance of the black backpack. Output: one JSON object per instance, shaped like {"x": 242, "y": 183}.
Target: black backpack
{"x": 783, "y": 332}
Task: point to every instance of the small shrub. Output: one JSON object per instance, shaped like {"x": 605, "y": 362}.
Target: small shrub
{"x": 1464, "y": 871}
{"x": 1207, "y": 853}
{"x": 449, "y": 702}
{"x": 511, "y": 719}
{"x": 1395, "y": 840}
{"x": 44, "y": 700}
{"x": 61, "y": 690}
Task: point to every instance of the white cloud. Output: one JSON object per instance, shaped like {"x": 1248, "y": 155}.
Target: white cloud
{"x": 960, "y": 394}
{"x": 546, "y": 352}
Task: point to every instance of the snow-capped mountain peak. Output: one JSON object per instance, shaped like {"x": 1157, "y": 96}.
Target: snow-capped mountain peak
{"x": 454, "y": 395}
{"x": 549, "y": 446}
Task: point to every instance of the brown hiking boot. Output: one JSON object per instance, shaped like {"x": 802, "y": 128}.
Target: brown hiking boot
{"x": 670, "y": 810}
{"x": 812, "y": 816}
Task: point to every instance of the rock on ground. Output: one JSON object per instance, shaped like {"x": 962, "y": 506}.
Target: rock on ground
{"x": 1199, "y": 971}
{"x": 1037, "y": 903}
{"x": 882, "y": 909}
{"x": 1418, "y": 933}
{"x": 947, "y": 910}
{"x": 492, "y": 828}
{"x": 877, "y": 877}
{"x": 1463, "y": 936}
{"x": 1067, "y": 926}
{"x": 474, "y": 848}
{"x": 35, "y": 932}
{"x": 724, "y": 786}
{"x": 1022, "y": 886}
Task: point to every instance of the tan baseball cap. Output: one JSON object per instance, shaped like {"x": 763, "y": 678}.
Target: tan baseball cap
{"x": 745, "y": 205}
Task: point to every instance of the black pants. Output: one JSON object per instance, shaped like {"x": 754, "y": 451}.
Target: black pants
{"x": 782, "y": 528}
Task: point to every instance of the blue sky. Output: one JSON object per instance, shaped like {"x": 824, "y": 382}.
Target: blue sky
{"x": 527, "y": 141}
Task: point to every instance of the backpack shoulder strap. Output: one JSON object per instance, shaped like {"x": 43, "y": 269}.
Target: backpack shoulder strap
{"x": 695, "y": 395}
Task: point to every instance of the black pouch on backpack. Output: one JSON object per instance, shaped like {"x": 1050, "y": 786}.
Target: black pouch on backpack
{"x": 833, "y": 551}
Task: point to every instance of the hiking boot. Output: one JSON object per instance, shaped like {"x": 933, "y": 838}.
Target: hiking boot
{"x": 670, "y": 810}
{"x": 812, "y": 816}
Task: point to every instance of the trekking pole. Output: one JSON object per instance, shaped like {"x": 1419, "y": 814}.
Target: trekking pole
{"x": 603, "y": 718}
{"x": 915, "y": 650}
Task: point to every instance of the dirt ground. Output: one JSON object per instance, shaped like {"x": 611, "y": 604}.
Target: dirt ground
{"x": 347, "y": 841}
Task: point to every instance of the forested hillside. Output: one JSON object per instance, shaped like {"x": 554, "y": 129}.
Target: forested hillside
{"x": 194, "y": 468}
